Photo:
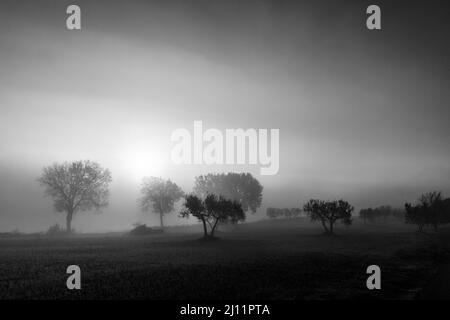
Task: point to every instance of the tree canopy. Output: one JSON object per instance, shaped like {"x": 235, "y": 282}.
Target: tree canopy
{"x": 284, "y": 212}
{"x": 159, "y": 195}
{"x": 329, "y": 212}
{"x": 76, "y": 186}
{"x": 212, "y": 210}
{"x": 241, "y": 187}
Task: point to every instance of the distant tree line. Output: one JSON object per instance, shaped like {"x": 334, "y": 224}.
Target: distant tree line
{"x": 382, "y": 213}
{"x": 430, "y": 210}
{"x": 288, "y": 213}
{"x": 328, "y": 213}
{"x": 216, "y": 198}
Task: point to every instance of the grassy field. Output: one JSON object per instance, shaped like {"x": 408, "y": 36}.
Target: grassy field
{"x": 263, "y": 260}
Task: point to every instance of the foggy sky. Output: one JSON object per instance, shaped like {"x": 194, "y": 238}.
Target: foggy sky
{"x": 362, "y": 114}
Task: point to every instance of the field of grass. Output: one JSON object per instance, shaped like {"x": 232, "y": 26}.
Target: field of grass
{"x": 264, "y": 260}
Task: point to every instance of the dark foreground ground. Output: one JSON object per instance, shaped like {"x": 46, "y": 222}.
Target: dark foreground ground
{"x": 276, "y": 260}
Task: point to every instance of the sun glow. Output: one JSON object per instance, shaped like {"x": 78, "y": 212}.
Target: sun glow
{"x": 139, "y": 162}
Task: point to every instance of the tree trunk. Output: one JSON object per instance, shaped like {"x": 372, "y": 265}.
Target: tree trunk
{"x": 331, "y": 227}
{"x": 69, "y": 221}
{"x": 205, "y": 229}
{"x": 161, "y": 220}
{"x": 325, "y": 226}
{"x": 211, "y": 233}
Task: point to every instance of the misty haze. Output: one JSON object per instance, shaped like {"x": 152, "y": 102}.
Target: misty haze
{"x": 233, "y": 149}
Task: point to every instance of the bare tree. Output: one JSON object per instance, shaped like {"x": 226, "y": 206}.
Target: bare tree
{"x": 160, "y": 195}
{"x": 76, "y": 186}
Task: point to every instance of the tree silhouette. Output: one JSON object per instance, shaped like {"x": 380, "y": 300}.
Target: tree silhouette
{"x": 212, "y": 210}
{"x": 241, "y": 187}
{"x": 160, "y": 195}
{"x": 76, "y": 186}
{"x": 220, "y": 209}
{"x": 194, "y": 206}
{"x": 430, "y": 210}
{"x": 329, "y": 212}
